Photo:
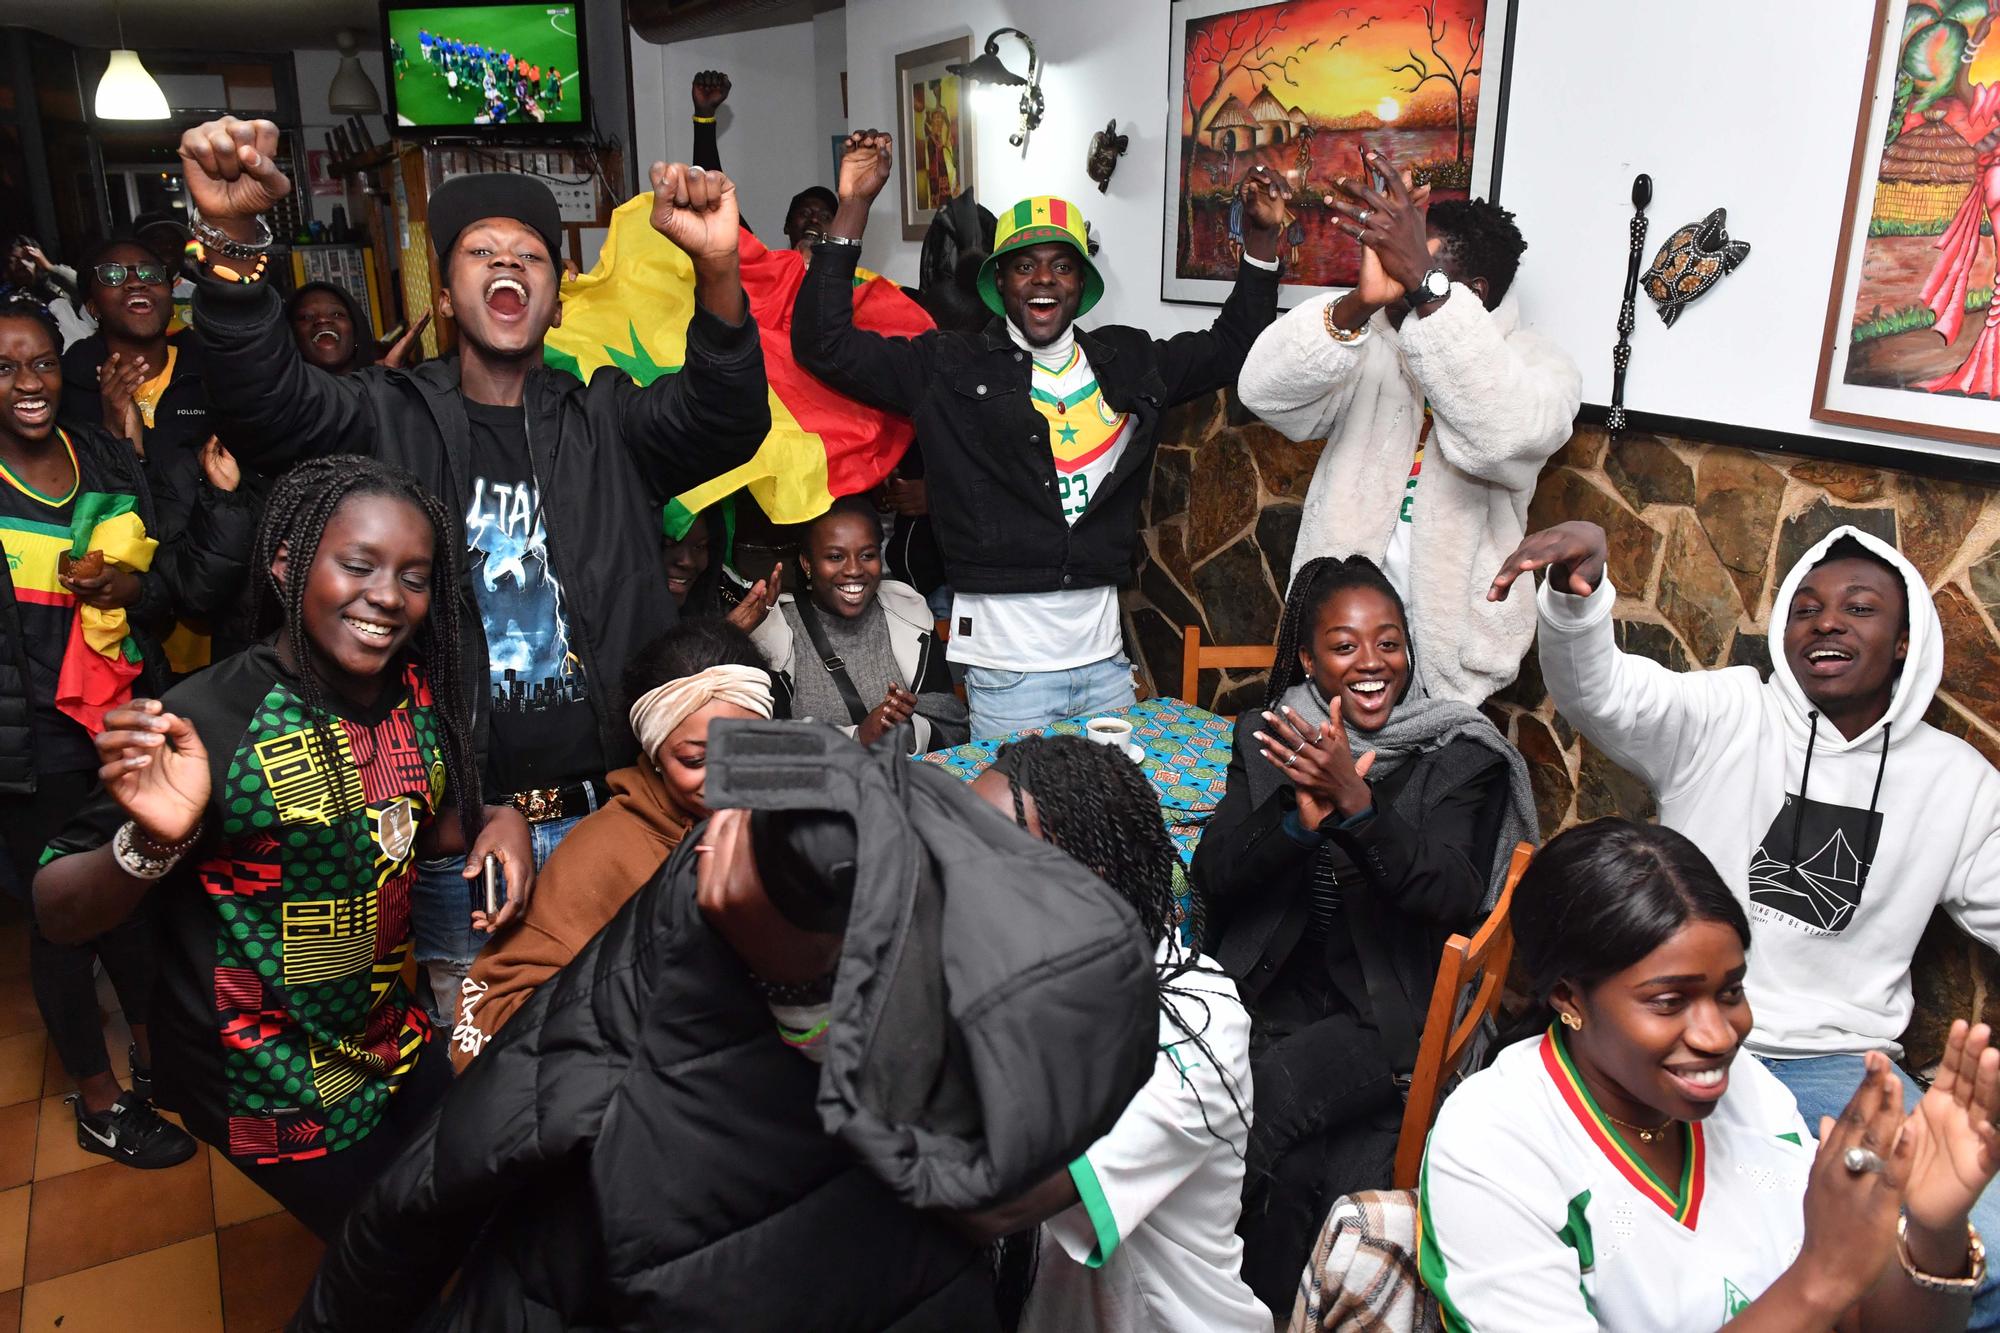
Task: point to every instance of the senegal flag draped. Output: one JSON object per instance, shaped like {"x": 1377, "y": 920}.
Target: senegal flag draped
{"x": 632, "y": 310}
{"x": 101, "y": 660}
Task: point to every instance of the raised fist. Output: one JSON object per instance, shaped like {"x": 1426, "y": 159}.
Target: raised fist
{"x": 864, "y": 165}
{"x": 711, "y": 90}
{"x": 230, "y": 175}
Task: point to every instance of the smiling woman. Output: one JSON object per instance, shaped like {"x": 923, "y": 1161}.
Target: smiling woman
{"x": 856, "y": 649}
{"x": 314, "y": 766}
{"x": 1623, "y": 1169}
{"x": 1358, "y": 830}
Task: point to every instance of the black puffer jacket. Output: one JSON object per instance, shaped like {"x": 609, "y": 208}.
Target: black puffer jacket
{"x": 605, "y": 455}
{"x": 194, "y": 573}
{"x": 638, "y": 1149}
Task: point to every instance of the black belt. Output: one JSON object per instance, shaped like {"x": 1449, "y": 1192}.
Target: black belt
{"x": 544, "y": 805}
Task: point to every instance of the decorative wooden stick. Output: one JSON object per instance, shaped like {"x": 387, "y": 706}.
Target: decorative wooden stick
{"x": 1621, "y": 355}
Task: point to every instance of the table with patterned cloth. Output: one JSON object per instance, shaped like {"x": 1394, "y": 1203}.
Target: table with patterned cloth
{"x": 1187, "y": 760}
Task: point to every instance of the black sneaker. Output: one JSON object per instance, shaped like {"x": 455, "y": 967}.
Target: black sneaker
{"x": 142, "y": 1076}
{"x": 132, "y": 1132}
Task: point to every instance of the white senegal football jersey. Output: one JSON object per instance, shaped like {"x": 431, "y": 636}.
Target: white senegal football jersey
{"x": 1536, "y": 1216}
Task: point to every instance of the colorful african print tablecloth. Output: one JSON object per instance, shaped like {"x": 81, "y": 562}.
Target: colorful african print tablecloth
{"x": 1187, "y": 760}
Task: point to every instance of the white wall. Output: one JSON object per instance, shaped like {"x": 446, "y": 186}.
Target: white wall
{"x": 1105, "y": 60}
{"x": 772, "y": 132}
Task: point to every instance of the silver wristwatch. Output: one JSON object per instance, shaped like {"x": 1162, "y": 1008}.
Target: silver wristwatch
{"x": 222, "y": 242}
{"x": 1434, "y": 286}
{"x": 144, "y": 865}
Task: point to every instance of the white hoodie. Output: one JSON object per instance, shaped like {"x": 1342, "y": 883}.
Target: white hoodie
{"x": 1725, "y": 753}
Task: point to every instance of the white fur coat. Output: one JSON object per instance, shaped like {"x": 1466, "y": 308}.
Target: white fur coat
{"x": 1502, "y": 400}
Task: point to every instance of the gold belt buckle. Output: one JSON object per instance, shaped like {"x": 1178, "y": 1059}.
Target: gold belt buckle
{"x": 541, "y": 805}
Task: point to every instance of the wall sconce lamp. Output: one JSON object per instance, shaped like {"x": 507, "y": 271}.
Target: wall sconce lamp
{"x": 989, "y": 69}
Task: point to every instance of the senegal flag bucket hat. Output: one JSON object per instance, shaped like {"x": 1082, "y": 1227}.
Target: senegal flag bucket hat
{"x": 1038, "y": 221}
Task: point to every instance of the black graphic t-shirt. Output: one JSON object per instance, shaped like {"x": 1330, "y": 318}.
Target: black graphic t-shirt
{"x": 281, "y": 1025}
{"x": 544, "y": 731}
{"x": 1810, "y": 868}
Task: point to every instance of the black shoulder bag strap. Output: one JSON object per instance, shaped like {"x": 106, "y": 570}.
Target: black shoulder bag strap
{"x": 809, "y": 617}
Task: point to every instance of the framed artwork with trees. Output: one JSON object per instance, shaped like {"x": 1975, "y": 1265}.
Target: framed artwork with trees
{"x": 1302, "y": 87}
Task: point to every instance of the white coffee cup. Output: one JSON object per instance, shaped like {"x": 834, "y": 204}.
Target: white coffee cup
{"x": 1108, "y": 731}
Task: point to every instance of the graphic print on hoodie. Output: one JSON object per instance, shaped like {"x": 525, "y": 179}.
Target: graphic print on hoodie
{"x": 1888, "y": 827}
{"x": 1810, "y": 868}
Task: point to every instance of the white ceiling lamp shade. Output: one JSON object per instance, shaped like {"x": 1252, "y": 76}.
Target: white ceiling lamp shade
{"x": 127, "y": 91}
{"x": 352, "y": 92}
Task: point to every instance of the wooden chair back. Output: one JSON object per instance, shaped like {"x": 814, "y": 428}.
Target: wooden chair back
{"x": 1195, "y": 659}
{"x": 1441, "y": 1052}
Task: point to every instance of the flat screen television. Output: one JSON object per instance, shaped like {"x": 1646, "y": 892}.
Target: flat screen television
{"x": 481, "y": 68}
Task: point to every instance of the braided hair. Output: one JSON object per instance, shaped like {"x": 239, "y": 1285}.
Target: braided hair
{"x": 1097, "y": 807}
{"x": 20, "y": 305}
{"x": 301, "y": 504}
{"x": 1313, "y": 586}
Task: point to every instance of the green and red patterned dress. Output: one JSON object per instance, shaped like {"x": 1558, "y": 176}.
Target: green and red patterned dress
{"x": 282, "y": 1026}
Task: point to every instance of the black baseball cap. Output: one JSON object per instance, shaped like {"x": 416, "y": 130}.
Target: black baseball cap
{"x": 464, "y": 200}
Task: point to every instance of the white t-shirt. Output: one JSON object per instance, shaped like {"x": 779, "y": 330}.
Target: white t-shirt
{"x": 1536, "y": 1217}
{"x": 1153, "y": 1245}
{"x": 1053, "y": 631}
{"x": 1396, "y": 558}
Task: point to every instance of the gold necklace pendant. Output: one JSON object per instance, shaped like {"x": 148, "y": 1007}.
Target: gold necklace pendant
{"x": 1644, "y": 1134}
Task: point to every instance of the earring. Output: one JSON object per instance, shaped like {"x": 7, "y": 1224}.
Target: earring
{"x": 1572, "y": 1022}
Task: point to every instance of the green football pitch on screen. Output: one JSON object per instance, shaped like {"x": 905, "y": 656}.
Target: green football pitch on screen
{"x": 436, "y": 86}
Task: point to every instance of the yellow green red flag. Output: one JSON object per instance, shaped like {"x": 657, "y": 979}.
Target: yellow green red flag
{"x": 632, "y": 310}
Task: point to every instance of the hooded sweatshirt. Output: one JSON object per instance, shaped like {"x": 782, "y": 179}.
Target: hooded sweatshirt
{"x": 1840, "y": 849}
{"x": 606, "y": 858}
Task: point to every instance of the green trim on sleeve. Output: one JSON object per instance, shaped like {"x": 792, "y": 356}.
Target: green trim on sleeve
{"x": 1430, "y": 1263}
{"x": 1099, "y": 1209}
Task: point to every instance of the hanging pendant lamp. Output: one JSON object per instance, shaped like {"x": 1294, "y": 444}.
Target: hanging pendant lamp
{"x": 127, "y": 91}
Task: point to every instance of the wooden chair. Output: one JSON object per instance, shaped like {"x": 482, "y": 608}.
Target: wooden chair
{"x": 1195, "y": 659}
{"x": 1481, "y": 961}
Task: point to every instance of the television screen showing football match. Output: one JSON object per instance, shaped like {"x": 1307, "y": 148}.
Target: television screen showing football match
{"x": 501, "y": 66}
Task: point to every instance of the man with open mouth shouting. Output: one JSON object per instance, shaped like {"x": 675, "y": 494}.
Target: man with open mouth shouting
{"x": 1037, "y": 437}
{"x": 138, "y": 381}
{"x": 556, "y": 484}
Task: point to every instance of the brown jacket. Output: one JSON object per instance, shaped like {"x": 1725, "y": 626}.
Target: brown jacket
{"x": 604, "y": 861}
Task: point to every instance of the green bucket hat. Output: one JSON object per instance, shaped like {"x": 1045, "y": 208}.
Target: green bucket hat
{"x": 1038, "y": 221}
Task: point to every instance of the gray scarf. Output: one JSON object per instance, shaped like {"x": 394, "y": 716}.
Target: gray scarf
{"x": 1417, "y": 727}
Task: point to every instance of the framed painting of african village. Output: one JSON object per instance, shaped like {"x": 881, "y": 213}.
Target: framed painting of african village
{"x": 1302, "y": 87}
{"x": 1912, "y": 341}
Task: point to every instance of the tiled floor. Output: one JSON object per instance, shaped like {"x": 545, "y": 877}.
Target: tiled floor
{"x": 87, "y": 1246}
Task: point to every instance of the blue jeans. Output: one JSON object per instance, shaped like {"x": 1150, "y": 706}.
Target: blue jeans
{"x": 441, "y": 921}
{"x": 1822, "y": 1085}
{"x": 1004, "y": 702}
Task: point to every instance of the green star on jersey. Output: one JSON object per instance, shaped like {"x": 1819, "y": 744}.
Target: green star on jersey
{"x": 1068, "y": 433}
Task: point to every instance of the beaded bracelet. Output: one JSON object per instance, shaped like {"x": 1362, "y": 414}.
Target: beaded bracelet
{"x": 1338, "y": 334}
{"x": 803, "y": 1039}
{"x": 199, "y": 254}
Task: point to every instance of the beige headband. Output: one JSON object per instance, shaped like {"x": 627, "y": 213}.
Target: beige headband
{"x": 659, "y": 711}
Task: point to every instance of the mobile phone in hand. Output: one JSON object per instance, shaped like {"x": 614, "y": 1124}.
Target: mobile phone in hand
{"x": 493, "y": 880}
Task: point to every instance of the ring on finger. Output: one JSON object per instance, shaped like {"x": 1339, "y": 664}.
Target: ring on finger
{"x": 1861, "y": 1161}
{"x": 1363, "y": 216}
{"x": 1291, "y": 759}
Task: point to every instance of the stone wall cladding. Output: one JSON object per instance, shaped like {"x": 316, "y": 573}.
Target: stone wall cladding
{"x": 1701, "y": 535}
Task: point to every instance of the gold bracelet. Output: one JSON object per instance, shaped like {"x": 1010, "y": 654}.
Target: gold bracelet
{"x": 1975, "y": 1249}
{"x": 1335, "y": 332}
